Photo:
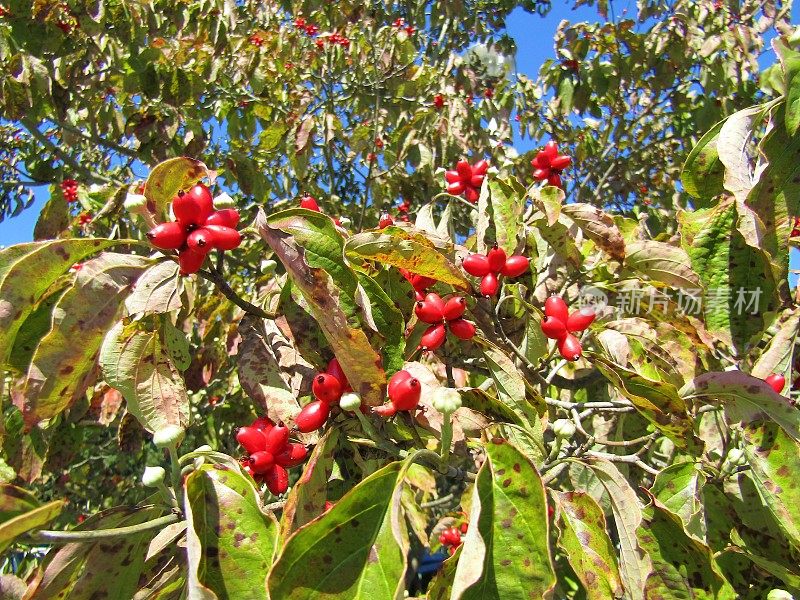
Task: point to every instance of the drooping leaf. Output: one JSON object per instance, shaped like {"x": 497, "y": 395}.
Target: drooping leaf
{"x": 507, "y": 208}
{"x": 230, "y": 540}
{"x": 134, "y": 361}
{"x": 777, "y": 357}
{"x": 589, "y": 550}
{"x": 57, "y": 373}
{"x": 703, "y": 173}
{"x": 385, "y": 320}
{"x": 23, "y": 522}
{"x": 312, "y": 252}
{"x": 506, "y": 553}
{"x": 599, "y": 227}
{"x": 15, "y": 501}
{"x": 158, "y": 290}
{"x": 354, "y": 551}
{"x": 510, "y": 383}
{"x": 549, "y": 200}
{"x": 790, "y": 65}
{"x": 53, "y": 220}
{"x": 732, "y": 147}
{"x": 679, "y": 488}
{"x": 745, "y": 398}
{"x": 662, "y": 262}
{"x": 168, "y": 178}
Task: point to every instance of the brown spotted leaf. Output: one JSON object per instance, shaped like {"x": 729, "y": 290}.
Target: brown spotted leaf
{"x": 662, "y": 262}
{"x": 158, "y": 290}
{"x": 599, "y": 227}
{"x": 230, "y": 540}
{"x": 589, "y": 550}
{"x": 506, "y": 554}
{"x": 679, "y": 488}
{"x": 777, "y": 356}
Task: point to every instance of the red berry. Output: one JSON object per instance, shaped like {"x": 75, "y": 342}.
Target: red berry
{"x": 554, "y": 328}
{"x": 452, "y": 550}
{"x": 433, "y": 337}
{"x": 570, "y": 347}
{"x": 405, "y": 395}
{"x": 167, "y": 236}
{"x": 385, "y": 220}
{"x": 464, "y": 170}
{"x": 581, "y": 319}
{"x": 261, "y": 462}
{"x": 263, "y": 424}
{"x": 776, "y": 382}
{"x": 452, "y": 176}
{"x": 443, "y": 540}
{"x": 476, "y": 181}
{"x": 203, "y": 200}
{"x": 187, "y": 211}
{"x": 277, "y": 439}
{"x": 456, "y": 188}
{"x": 462, "y": 329}
{"x": 277, "y": 480}
{"x": 291, "y": 456}
{"x": 555, "y": 180}
{"x": 515, "y": 266}
{"x": 489, "y": 284}
{"x": 555, "y": 306}
{"x": 454, "y": 308}
{"x": 497, "y": 259}
{"x": 200, "y": 240}
{"x": 227, "y": 217}
{"x": 464, "y": 527}
{"x": 190, "y": 261}
{"x": 326, "y": 388}
{"x": 251, "y": 439}
{"x": 313, "y": 416}
{"x": 476, "y": 265}
{"x": 480, "y": 167}
{"x": 310, "y": 203}
{"x": 396, "y": 379}
{"x": 560, "y": 162}
{"x": 335, "y": 369}
{"x": 438, "y": 101}
{"x": 471, "y": 194}
{"x": 428, "y": 312}
{"x": 224, "y": 238}
{"x": 385, "y": 410}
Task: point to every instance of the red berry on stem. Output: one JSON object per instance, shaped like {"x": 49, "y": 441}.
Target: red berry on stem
{"x": 555, "y": 180}
{"x": 433, "y": 337}
{"x": 310, "y": 203}
{"x": 396, "y": 379}
{"x": 167, "y": 236}
{"x": 464, "y": 527}
{"x": 428, "y": 312}
{"x": 312, "y": 416}
{"x": 385, "y": 220}
{"x": 554, "y": 328}
{"x": 335, "y": 369}
{"x": 456, "y": 188}
{"x": 776, "y": 382}
{"x": 291, "y": 456}
{"x": 406, "y": 394}
{"x": 277, "y": 480}
{"x": 497, "y": 259}
{"x": 251, "y": 439}
{"x": 515, "y": 266}
{"x": 263, "y": 423}
{"x": 277, "y": 438}
{"x": 560, "y": 162}
{"x": 203, "y": 200}
{"x": 261, "y": 461}
{"x": 200, "y": 240}
{"x": 476, "y": 265}
{"x": 190, "y": 261}
{"x": 454, "y": 308}
{"x": 476, "y": 181}
{"x": 224, "y": 238}
{"x": 227, "y": 217}
{"x": 489, "y": 284}
{"x": 570, "y": 347}
{"x": 462, "y": 329}
{"x": 555, "y": 306}
{"x": 464, "y": 170}
{"x": 327, "y": 388}
{"x": 581, "y": 319}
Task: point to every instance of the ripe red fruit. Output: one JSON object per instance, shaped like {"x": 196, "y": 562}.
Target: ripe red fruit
{"x": 277, "y": 438}
{"x": 200, "y": 240}
{"x": 581, "y": 319}
{"x": 190, "y": 261}
{"x": 554, "y": 328}
{"x": 310, "y": 203}
{"x": 405, "y": 394}
{"x": 489, "y": 284}
{"x": 456, "y": 188}
{"x": 251, "y": 439}
{"x": 515, "y": 266}
{"x": 326, "y": 388}
{"x": 395, "y": 380}
{"x": 335, "y": 369}
{"x": 313, "y": 416}
{"x": 570, "y": 347}
{"x": 471, "y": 194}
{"x": 167, "y": 236}
{"x": 560, "y": 162}
{"x": 476, "y": 265}
{"x": 227, "y": 217}
{"x": 462, "y": 329}
{"x": 464, "y": 170}
{"x": 385, "y": 220}
{"x": 263, "y": 424}
{"x": 776, "y": 382}
{"x": 193, "y": 207}
{"x": 454, "y": 308}
{"x": 277, "y": 480}
{"x": 438, "y": 101}
{"x": 223, "y": 238}
{"x": 464, "y": 527}
{"x": 428, "y": 312}
{"x": 261, "y": 462}
{"x": 497, "y": 259}
{"x": 291, "y": 456}
{"x": 555, "y": 306}
{"x": 433, "y": 337}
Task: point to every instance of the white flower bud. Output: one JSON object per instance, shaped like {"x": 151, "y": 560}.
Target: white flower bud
{"x": 563, "y": 428}
{"x": 153, "y": 476}
{"x": 350, "y": 402}
{"x": 446, "y": 400}
{"x": 170, "y": 436}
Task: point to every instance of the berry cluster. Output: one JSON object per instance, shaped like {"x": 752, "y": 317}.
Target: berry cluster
{"x": 69, "y": 187}
{"x": 327, "y": 388}
{"x": 84, "y": 218}
{"x": 492, "y": 265}
{"x": 442, "y": 315}
{"x": 309, "y": 28}
{"x": 401, "y": 24}
{"x": 795, "y": 227}
{"x": 385, "y": 220}
{"x": 256, "y": 40}
{"x": 333, "y": 39}
{"x": 404, "y": 391}
{"x": 420, "y": 283}
{"x": 403, "y": 208}
{"x": 776, "y": 381}
{"x": 270, "y": 453}
{"x": 559, "y": 325}
{"x": 197, "y": 229}
{"x": 466, "y": 179}
{"x": 452, "y": 537}
{"x": 548, "y": 164}
{"x": 438, "y": 101}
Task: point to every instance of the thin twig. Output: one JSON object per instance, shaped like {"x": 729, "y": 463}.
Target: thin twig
{"x": 228, "y": 292}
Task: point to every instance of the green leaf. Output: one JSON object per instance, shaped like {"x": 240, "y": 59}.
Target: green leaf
{"x": 230, "y": 540}
{"x": 508, "y": 204}
{"x": 599, "y": 227}
{"x": 777, "y": 356}
{"x": 53, "y": 220}
{"x": 271, "y": 137}
{"x": 386, "y": 321}
{"x": 510, "y": 384}
{"x": 355, "y": 551}
{"x": 790, "y": 63}
{"x": 745, "y": 398}
{"x": 307, "y": 499}
{"x": 506, "y": 553}
{"x": 732, "y": 145}
{"x": 134, "y": 361}
{"x": 589, "y": 550}
{"x": 168, "y": 178}
{"x": 662, "y": 262}
{"x": 399, "y": 248}
{"x": 26, "y": 273}
{"x": 63, "y": 358}
{"x": 312, "y": 252}
{"x": 549, "y": 200}
{"x": 177, "y": 345}
{"x": 703, "y": 173}
{"x": 682, "y": 566}
{"x": 157, "y": 291}
{"x": 775, "y": 460}
{"x": 15, "y": 501}
{"x": 657, "y": 401}
{"x": 679, "y": 488}
{"x": 24, "y": 522}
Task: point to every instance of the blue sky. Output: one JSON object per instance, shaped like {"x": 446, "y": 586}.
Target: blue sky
{"x": 533, "y": 36}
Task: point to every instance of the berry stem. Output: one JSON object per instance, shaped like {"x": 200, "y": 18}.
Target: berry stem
{"x": 99, "y": 534}
{"x": 447, "y": 438}
{"x": 372, "y": 433}
{"x": 175, "y": 468}
{"x": 228, "y": 292}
